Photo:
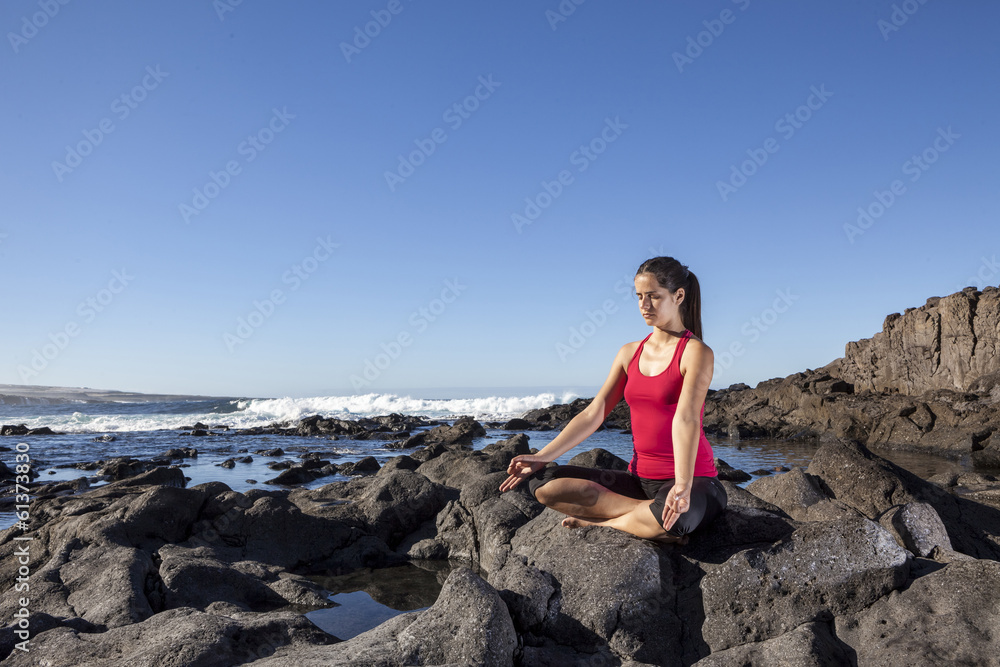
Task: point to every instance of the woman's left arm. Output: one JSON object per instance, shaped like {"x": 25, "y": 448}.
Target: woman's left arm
{"x": 697, "y": 367}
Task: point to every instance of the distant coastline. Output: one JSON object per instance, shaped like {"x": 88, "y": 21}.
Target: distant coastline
{"x": 14, "y": 394}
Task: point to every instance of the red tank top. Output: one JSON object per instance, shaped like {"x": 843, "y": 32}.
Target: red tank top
{"x": 653, "y": 402}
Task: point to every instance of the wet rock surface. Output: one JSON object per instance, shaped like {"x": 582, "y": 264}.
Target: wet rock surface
{"x": 802, "y": 568}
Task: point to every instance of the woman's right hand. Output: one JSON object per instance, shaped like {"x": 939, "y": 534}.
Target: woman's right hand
{"x": 520, "y": 468}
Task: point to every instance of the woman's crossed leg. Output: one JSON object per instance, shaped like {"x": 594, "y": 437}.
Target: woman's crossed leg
{"x": 592, "y": 497}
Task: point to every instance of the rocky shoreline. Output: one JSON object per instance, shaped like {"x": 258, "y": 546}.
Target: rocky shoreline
{"x": 829, "y": 565}
{"x": 928, "y": 382}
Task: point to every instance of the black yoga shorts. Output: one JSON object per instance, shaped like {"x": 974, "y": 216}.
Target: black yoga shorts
{"x": 708, "y": 496}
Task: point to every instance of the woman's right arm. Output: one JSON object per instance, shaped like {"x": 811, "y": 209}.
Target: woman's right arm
{"x": 578, "y": 428}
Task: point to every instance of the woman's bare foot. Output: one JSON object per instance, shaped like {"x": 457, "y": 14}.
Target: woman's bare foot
{"x": 574, "y": 522}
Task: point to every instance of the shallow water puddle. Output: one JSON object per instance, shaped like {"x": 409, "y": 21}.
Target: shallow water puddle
{"x": 357, "y": 612}
{"x": 367, "y": 598}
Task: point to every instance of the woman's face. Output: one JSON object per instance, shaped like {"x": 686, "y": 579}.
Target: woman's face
{"x": 658, "y": 306}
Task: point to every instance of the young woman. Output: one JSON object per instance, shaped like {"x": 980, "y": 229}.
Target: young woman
{"x": 671, "y": 486}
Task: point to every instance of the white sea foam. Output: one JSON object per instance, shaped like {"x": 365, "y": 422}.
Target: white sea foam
{"x": 367, "y": 405}
{"x": 261, "y": 412}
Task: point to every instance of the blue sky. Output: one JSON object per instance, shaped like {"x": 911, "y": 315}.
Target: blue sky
{"x": 173, "y": 170}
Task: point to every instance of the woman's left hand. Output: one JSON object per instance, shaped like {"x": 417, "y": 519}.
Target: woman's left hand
{"x": 678, "y": 501}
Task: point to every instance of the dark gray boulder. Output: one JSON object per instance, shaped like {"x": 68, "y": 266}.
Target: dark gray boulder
{"x": 180, "y": 453}
{"x": 496, "y": 518}
{"x": 871, "y": 485}
{"x": 364, "y": 466}
{"x": 917, "y": 528}
{"x": 175, "y": 638}
{"x": 160, "y": 515}
{"x": 458, "y": 466}
{"x": 193, "y": 578}
{"x": 986, "y": 452}
{"x": 599, "y": 458}
{"x": 293, "y": 476}
{"x": 402, "y": 462}
{"x": 121, "y": 468}
{"x": 476, "y": 527}
{"x": 947, "y": 617}
{"x": 462, "y": 432}
{"x": 554, "y": 416}
{"x": 171, "y": 476}
{"x": 625, "y": 602}
{"x": 729, "y": 473}
{"x": 530, "y": 593}
{"x": 808, "y": 645}
{"x": 91, "y": 554}
{"x": 740, "y": 497}
{"x": 276, "y": 451}
{"x": 452, "y": 535}
{"x": 824, "y": 569}
{"x": 801, "y": 496}
{"x": 793, "y": 491}
{"x": 273, "y": 530}
{"x": 396, "y": 503}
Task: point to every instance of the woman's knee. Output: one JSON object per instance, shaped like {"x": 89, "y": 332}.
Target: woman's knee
{"x": 567, "y": 490}
{"x": 543, "y": 494}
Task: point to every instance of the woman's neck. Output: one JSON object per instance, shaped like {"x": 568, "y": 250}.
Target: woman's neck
{"x": 667, "y": 334}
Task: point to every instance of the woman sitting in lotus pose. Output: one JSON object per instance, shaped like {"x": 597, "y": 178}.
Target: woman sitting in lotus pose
{"x": 671, "y": 486}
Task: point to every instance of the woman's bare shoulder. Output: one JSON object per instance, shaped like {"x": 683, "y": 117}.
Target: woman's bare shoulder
{"x": 626, "y": 352}
{"x": 694, "y": 342}
{"x": 628, "y": 349}
{"x": 696, "y": 354}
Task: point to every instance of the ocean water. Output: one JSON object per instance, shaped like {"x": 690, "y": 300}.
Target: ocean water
{"x": 237, "y": 413}
{"x": 146, "y": 429}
